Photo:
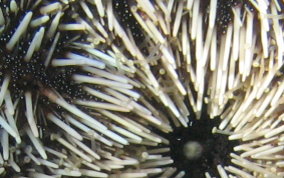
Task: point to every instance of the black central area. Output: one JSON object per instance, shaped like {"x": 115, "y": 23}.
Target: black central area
{"x": 216, "y": 148}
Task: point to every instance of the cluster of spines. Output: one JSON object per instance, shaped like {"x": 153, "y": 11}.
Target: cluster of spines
{"x": 111, "y": 59}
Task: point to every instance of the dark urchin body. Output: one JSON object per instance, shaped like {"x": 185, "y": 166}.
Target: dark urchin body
{"x": 34, "y": 76}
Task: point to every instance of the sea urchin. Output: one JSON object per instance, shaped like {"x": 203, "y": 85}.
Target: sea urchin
{"x": 141, "y": 88}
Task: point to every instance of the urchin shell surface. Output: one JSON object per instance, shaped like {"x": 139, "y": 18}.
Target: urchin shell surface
{"x": 141, "y": 88}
